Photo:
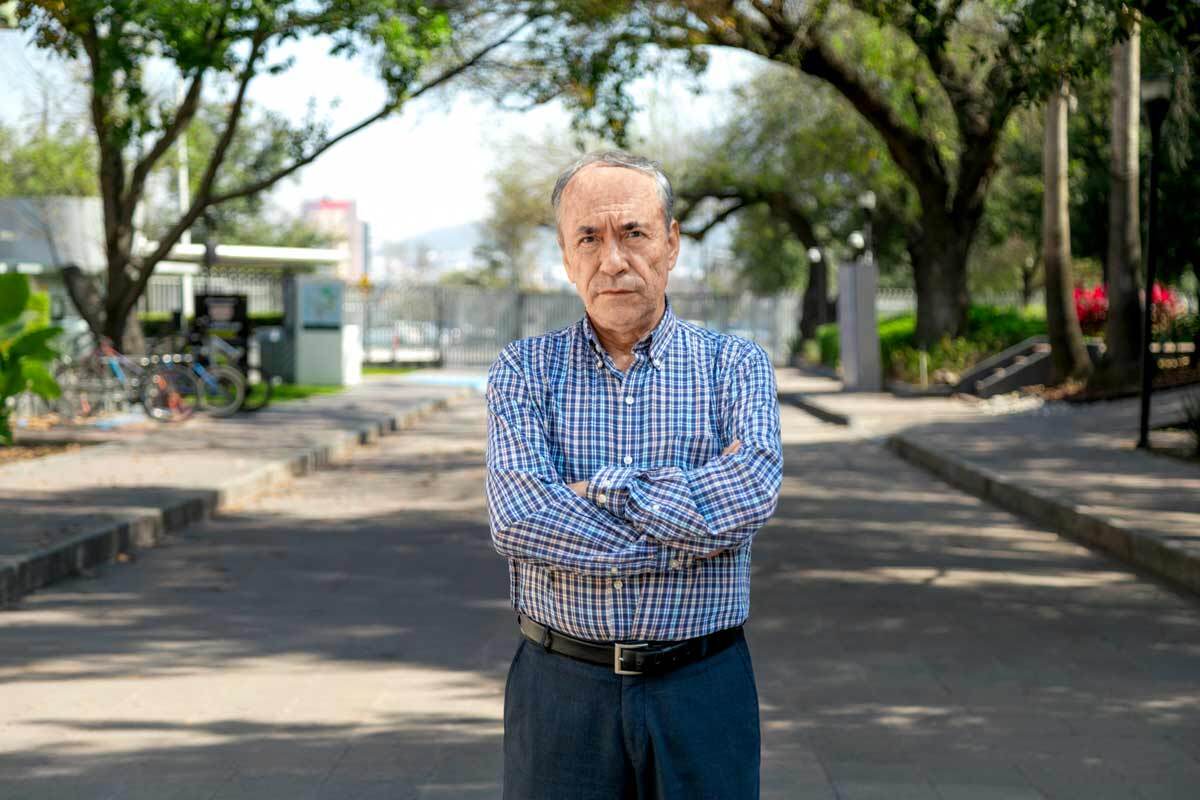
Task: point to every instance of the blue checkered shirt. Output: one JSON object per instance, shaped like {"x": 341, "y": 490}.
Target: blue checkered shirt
{"x": 659, "y": 549}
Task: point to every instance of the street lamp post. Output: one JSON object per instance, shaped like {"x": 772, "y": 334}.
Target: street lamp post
{"x": 1156, "y": 96}
{"x": 866, "y": 201}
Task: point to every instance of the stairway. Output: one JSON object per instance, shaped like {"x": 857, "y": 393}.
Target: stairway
{"x": 1023, "y": 364}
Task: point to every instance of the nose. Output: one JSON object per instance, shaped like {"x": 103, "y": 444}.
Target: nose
{"x": 612, "y": 258}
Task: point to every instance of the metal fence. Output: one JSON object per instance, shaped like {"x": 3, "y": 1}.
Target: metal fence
{"x": 263, "y": 290}
{"x": 468, "y": 327}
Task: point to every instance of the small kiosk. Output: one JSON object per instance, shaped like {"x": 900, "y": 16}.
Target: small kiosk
{"x": 327, "y": 350}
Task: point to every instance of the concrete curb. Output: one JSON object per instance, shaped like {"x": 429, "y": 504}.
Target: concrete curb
{"x": 804, "y": 403}
{"x": 1085, "y": 524}
{"x": 146, "y": 528}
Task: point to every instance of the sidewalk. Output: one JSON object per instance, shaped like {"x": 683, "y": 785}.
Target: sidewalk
{"x": 62, "y": 513}
{"x": 1073, "y": 468}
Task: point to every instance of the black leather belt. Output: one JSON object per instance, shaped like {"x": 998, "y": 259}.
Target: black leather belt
{"x": 630, "y": 658}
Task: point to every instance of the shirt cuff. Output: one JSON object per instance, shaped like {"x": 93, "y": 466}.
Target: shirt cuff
{"x": 671, "y": 559}
{"x": 609, "y": 488}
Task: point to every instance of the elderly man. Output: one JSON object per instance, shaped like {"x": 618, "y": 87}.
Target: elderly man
{"x": 631, "y": 458}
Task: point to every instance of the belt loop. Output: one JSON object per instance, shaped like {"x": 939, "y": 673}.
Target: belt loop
{"x": 546, "y": 638}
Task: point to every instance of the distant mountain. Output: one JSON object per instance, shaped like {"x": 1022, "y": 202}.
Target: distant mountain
{"x": 451, "y": 239}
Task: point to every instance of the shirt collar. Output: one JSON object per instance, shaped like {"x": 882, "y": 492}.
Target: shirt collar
{"x": 656, "y": 341}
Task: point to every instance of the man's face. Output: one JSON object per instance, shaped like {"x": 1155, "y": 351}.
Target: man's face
{"x": 615, "y": 246}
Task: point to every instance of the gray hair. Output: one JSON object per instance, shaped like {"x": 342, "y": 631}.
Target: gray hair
{"x": 618, "y": 158}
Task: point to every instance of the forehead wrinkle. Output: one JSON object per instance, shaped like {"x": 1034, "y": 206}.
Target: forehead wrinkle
{"x": 630, "y": 210}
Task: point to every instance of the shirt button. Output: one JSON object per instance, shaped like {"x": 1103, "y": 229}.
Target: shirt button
{"x": 628, "y": 401}
{"x": 617, "y": 584}
{"x": 613, "y": 570}
{"x": 602, "y": 498}
{"x": 674, "y": 563}
{"x": 627, "y": 459}
{"x": 658, "y": 363}
{"x": 657, "y": 506}
{"x": 599, "y": 363}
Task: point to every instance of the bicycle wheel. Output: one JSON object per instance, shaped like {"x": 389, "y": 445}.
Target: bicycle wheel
{"x": 171, "y": 394}
{"x": 224, "y": 389}
{"x": 85, "y": 390}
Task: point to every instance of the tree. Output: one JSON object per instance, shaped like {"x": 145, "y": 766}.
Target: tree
{"x": 58, "y": 160}
{"x": 787, "y": 166}
{"x": 520, "y": 200}
{"x": 971, "y": 63}
{"x": 210, "y": 45}
{"x": 1122, "y": 267}
{"x": 1066, "y": 339}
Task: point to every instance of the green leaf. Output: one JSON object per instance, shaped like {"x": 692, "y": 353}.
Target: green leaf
{"x": 14, "y": 294}
{"x": 35, "y": 345}
{"x": 39, "y": 380}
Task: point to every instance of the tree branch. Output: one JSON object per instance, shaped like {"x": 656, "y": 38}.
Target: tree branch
{"x": 913, "y": 153}
{"x": 201, "y": 201}
{"x": 205, "y": 198}
{"x": 183, "y": 116}
{"x": 703, "y": 230}
{"x": 446, "y": 75}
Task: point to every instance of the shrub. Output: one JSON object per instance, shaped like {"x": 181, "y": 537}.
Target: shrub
{"x": 989, "y": 330}
{"x": 1091, "y": 307}
{"x": 827, "y": 341}
{"x": 25, "y": 350}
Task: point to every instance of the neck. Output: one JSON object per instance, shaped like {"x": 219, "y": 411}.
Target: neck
{"x": 620, "y": 341}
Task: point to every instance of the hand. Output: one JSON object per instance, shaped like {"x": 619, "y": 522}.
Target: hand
{"x": 579, "y": 488}
{"x": 734, "y": 446}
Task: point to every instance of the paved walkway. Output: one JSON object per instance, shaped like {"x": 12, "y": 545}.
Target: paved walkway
{"x": 1074, "y": 467}
{"x": 349, "y": 637}
{"x": 66, "y": 511}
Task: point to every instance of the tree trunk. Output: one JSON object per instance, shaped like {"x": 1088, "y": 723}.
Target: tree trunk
{"x": 123, "y": 327}
{"x": 1122, "y": 332}
{"x": 90, "y": 303}
{"x": 815, "y": 308}
{"x": 1066, "y": 339}
{"x": 939, "y": 259}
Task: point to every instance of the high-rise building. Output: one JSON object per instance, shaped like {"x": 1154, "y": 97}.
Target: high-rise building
{"x": 339, "y": 218}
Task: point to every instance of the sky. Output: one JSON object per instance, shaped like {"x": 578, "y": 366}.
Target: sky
{"x": 424, "y": 169}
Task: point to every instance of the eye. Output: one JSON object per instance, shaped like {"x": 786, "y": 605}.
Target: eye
{"x": 587, "y": 239}
{"x": 639, "y": 233}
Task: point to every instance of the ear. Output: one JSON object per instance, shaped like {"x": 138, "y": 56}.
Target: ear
{"x": 672, "y": 244}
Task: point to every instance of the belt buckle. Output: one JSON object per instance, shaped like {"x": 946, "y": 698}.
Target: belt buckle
{"x": 617, "y": 648}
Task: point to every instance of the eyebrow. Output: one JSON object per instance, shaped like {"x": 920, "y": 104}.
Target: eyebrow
{"x": 628, "y": 226}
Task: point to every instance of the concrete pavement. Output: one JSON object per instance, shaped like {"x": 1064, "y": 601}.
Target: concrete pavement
{"x": 1071, "y": 467}
{"x": 64, "y": 513}
{"x": 349, "y": 636}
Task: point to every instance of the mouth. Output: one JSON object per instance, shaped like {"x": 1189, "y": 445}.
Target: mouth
{"x": 617, "y": 291}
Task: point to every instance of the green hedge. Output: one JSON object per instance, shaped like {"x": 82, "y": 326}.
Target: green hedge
{"x": 158, "y": 323}
{"x": 989, "y": 330}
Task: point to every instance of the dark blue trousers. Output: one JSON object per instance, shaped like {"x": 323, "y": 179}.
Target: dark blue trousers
{"x": 578, "y": 731}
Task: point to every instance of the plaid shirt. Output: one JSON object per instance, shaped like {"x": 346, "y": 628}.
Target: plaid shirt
{"x": 634, "y": 560}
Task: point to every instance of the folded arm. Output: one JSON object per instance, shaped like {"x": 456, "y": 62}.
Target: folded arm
{"x": 534, "y": 514}
{"x": 720, "y": 504}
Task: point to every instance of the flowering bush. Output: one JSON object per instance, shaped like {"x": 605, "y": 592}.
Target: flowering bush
{"x": 1165, "y": 306}
{"x": 1091, "y": 306}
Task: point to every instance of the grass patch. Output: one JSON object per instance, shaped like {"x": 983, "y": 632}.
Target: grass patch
{"x": 284, "y": 392}
{"x": 378, "y": 369}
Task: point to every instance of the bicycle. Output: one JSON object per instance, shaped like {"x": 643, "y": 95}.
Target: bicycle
{"x": 167, "y": 392}
{"x": 241, "y": 389}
